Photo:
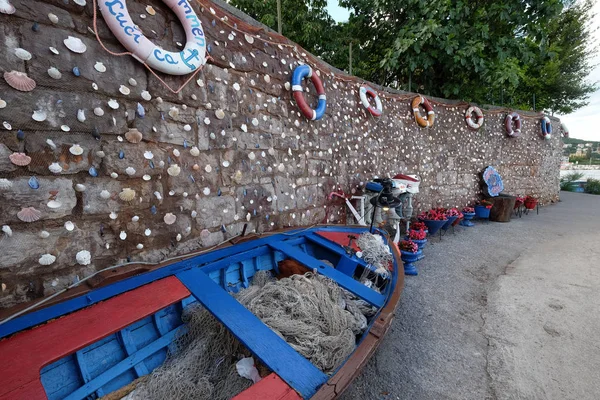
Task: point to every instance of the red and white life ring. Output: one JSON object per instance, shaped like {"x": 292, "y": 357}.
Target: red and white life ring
{"x": 478, "y": 115}
{"x": 423, "y": 122}
{"x": 508, "y": 124}
{"x": 300, "y": 73}
{"x": 184, "y": 62}
{"x": 366, "y": 92}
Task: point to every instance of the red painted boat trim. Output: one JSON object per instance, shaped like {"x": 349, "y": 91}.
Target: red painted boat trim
{"x": 26, "y": 353}
{"x": 271, "y": 387}
{"x": 340, "y": 238}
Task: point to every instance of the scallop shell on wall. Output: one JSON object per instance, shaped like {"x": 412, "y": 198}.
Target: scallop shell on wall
{"x": 99, "y": 67}
{"x": 23, "y": 54}
{"x": 29, "y": 214}
{"x": 20, "y": 159}
{"x": 5, "y": 184}
{"x": 76, "y": 150}
{"x": 174, "y": 170}
{"x": 47, "y": 259}
{"x": 39, "y": 116}
{"x": 83, "y": 257}
{"x": 6, "y": 7}
{"x": 133, "y": 136}
{"x": 20, "y": 81}
{"x": 74, "y": 44}
{"x": 55, "y": 168}
{"x": 169, "y": 218}
{"x": 127, "y": 194}
{"x": 105, "y": 194}
{"x": 54, "y": 73}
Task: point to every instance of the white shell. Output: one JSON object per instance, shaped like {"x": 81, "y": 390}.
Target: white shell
{"x": 98, "y": 111}
{"x": 220, "y": 114}
{"x": 123, "y": 235}
{"x": 169, "y": 218}
{"x": 244, "y": 128}
{"x": 2, "y": 104}
{"x": 124, "y": 90}
{"x": 54, "y": 73}
{"x": 83, "y": 257}
{"x": 51, "y": 143}
{"x": 53, "y": 18}
{"x": 5, "y": 184}
{"x": 135, "y": 218}
{"x": 148, "y": 155}
{"x": 65, "y": 128}
{"x": 54, "y": 204}
{"x": 225, "y": 163}
{"x": 194, "y": 151}
{"x": 44, "y": 234}
{"x": 23, "y": 54}
{"x": 176, "y": 153}
{"x": 114, "y": 175}
{"x": 112, "y": 103}
{"x": 105, "y": 194}
{"x": 127, "y": 194}
{"x": 99, "y": 67}
{"x": 6, "y": 8}
{"x": 39, "y": 116}
{"x": 174, "y": 112}
{"x": 69, "y": 226}
{"x": 79, "y": 187}
{"x": 147, "y": 232}
{"x": 55, "y": 168}
{"x": 7, "y": 231}
{"x": 100, "y": 154}
{"x": 130, "y": 171}
{"x": 146, "y": 177}
{"x": 81, "y": 115}
{"x": 146, "y": 95}
{"x": 54, "y": 50}
{"x": 187, "y": 127}
{"x": 249, "y": 39}
{"x": 74, "y": 44}
{"x": 76, "y": 150}
{"x": 174, "y": 170}
{"x": 113, "y": 215}
{"x": 139, "y": 246}
{"x": 47, "y": 259}
{"x": 80, "y": 2}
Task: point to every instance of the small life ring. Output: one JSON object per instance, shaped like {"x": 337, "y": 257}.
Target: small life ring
{"x": 564, "y": 129}
{"x": 546, "y": 128}
{"x": 508, "y": 124}
{"x": 184, "y": 62}
{"x": 365, "y": 91}
{"x": 305, "y": 71}
{"x": 424, "y": 122}
{"x": 478, "y": 114}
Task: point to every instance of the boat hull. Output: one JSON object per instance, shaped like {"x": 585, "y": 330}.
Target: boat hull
{"x": 149, "y": 307}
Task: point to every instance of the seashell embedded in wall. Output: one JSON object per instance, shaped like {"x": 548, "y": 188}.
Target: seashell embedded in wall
{"x": 74, "y": 44}
{"x": 20, "y": 81}
{"x": 29, "y": 214}
{"x": 20, "y": 159}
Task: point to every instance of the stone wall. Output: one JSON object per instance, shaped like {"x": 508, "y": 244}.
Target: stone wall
{"x": 244, "y": 152}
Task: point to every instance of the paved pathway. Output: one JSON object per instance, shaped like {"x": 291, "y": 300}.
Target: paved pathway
{"x": 499, "y": 311}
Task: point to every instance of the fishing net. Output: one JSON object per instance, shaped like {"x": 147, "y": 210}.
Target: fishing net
{"x": 310, "y": 312}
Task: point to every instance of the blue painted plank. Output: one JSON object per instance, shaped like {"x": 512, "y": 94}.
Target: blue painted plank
{"x": 271, "y": 349}
{"x": 130, "y": 349}
{"x": 353, "y": 286}
{"x": 121, "y": 367}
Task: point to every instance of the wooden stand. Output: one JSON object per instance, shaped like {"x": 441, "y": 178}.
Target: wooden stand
{"x": 503, "y": 207}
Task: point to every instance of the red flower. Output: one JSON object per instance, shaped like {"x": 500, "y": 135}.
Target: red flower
{"x": 418, "y": 226}
{"x": 416, "y": 235}
{"x": 409, "y": 246}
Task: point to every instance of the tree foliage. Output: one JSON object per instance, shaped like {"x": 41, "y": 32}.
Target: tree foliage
{"x": 486, "y": 51}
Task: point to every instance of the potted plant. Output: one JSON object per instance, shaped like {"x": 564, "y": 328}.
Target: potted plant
{"x": 468, "y": 214}
{"x": 433, "y": 219}
{"x": 419, "y": 237}
{"x": 519, "y": 202}
{"x": 453, "y": 216}
{"x": 482, "y": 210}
{"x": 418, "y": 226}
{"x": 410, "y": 253}
{"x": 530, "y": 202}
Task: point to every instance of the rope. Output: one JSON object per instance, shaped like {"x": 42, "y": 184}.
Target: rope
{"x": 127, "y": 53}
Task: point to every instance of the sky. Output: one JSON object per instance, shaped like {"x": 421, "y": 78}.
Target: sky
{"x": 582, "y": 124}
{"x": 585, "y": 122}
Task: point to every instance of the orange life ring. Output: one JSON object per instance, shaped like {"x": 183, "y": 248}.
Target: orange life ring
{"x": 423, "y": 122}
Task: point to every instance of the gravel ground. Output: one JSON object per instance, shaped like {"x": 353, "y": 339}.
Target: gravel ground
{"x": 457, "y": 334}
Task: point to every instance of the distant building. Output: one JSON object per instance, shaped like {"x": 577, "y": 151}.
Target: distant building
{"x": 567, "y": 146}
{"x": 588, "y": 145}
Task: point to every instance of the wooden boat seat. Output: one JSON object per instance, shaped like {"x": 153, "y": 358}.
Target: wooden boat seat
{"x": 265, "y": 344}
{"x": 44, "y": 344}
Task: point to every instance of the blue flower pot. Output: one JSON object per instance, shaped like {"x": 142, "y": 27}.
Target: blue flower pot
{"x": 421, "y": 244}
{"x": 482, "y": 212}
{"x": 409, "y": 259}
{"x": 449, "y": 222}
{"x": 433, "y": 226}
{"x": 467, "y": 219}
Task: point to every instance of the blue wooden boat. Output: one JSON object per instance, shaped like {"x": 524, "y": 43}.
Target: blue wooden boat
{"x": 102, "y": 337}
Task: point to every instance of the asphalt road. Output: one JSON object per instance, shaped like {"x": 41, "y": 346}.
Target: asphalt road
{"x": 499, "y": 311}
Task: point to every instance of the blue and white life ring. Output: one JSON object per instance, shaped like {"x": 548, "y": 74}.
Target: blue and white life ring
{"x": 184, "y": 62}
{"x": 305, "y": 71}
{"x": 546, "y": 128}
